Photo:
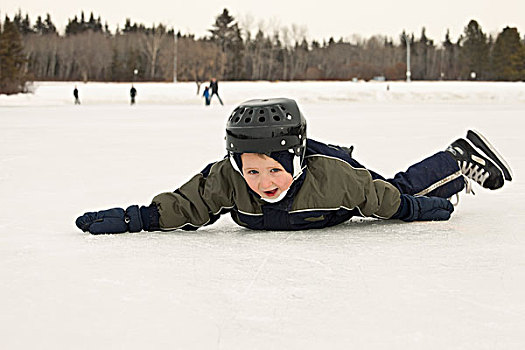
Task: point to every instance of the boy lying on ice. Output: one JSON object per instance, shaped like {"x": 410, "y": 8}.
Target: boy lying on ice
{"x": 274, "y": 178}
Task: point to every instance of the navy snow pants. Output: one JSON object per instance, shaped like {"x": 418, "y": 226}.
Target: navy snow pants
{"x": 438, "y": 176}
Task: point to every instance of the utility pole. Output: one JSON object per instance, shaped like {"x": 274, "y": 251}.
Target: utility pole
{"x": 174, "y": 56}
{"x": 407, "y": 40}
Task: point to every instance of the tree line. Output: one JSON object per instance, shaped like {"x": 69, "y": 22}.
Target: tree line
{"x": 89, "y": 51}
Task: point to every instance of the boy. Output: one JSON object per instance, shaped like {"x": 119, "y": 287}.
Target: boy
{"x": 274, "y": 178}
{"x": 206, "y": 95}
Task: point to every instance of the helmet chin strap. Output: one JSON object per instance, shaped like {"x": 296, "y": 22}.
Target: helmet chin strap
{"x": 234, "y": 163}
{"x": 297, "y": 171}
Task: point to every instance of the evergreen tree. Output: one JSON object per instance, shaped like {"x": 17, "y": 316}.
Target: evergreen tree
{"x": 12, "y": 59}
{"x": 235, "y": 56}
{"x": 517, "y": 61}
{"x": 227, "y": 35}
{"x": 421, "y": 52}
{"x": 506, "y": 47}
{"x": 75, "y": 26}
{"x": 475, "y": 51}
{"x": 23, "y": 24}
{"x": 450, "y": 61}
{"x": 135, "y": 28}
{"x": 26, "y": 25}
{"x": 128, "y": 28}
{"x": 72, "y": 27}
{"x": 94, "y": 25}
{"x": 44, "y": 27}
{"x": 49, "y": 26}
{"x": 223, "y": 29}
{"x": 39, "y": 26}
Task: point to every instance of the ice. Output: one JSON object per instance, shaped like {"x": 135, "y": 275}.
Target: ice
{"x": 365, "y": 284}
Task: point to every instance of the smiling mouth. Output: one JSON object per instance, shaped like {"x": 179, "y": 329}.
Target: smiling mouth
{"x": 271, "y": 193}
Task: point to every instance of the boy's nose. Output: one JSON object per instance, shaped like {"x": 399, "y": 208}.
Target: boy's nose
{"x": 266, "y": 182}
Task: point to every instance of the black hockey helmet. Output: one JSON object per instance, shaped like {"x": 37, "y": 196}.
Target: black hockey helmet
{"x": 265, "y": 126}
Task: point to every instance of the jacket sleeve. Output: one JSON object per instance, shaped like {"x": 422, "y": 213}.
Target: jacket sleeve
{"x": 332, "y": 183}
{"x": 200, "y": 201}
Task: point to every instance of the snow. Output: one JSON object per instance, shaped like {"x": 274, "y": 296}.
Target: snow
{"x": 365, "y": 284}
{"x": 61, "y": 93}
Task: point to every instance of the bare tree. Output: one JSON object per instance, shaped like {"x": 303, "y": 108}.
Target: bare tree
{"x": 151, "y": 44}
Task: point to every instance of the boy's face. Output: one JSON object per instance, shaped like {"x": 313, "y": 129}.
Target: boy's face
{"x": 265, "y": 175}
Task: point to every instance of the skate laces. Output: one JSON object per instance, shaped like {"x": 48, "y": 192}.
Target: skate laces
{"x": 468, "y": 190}
{"x": 474, "y": 171}
{"x": 468, "y": 185}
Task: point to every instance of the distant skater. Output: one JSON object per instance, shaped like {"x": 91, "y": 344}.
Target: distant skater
{"x": 214, "y": 86}
{"x": 206, "y": 95}
{"x": 132, "y": 93}
{"x": 75, "y": 93}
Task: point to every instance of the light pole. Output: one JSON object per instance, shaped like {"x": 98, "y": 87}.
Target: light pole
{"x": 408, "y": 57}
{"x": 174, "y": 56}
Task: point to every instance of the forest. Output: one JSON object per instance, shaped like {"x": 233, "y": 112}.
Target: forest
{"x": 89, "y": 51}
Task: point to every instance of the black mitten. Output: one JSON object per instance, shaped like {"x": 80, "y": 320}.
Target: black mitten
{"x": 114, "y": 220}
{"x": 423, "y": 209}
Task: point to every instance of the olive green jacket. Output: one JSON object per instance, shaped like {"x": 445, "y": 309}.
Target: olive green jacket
{"x": 329, "y": 191}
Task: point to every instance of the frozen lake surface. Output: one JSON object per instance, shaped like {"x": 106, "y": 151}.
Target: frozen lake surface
{"x": 365, "y": 284}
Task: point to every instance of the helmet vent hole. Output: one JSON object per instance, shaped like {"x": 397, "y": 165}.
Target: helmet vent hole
{"x": 276, "y": 118}
{"x": 242, "y": 110}
{"x": 273, "y": 110}
{"x": 262, "y": 119}
{"x": 261, "y": 111}
{"x": 289, "y": 117}
{"x": 247, "y": 120}
{"x": 283, "y": 108}
{"x": 250, "y": 112}
{"x": 237, "y": 120}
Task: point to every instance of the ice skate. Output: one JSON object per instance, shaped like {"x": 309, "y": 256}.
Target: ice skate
{"x": 475, "y": 166}
{"x": 479, "y": 141}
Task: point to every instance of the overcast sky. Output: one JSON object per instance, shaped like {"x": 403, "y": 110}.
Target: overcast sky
{"x": 321, "y": 19}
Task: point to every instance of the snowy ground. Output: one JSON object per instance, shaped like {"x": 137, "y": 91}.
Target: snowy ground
{"x": 365, "y": 284}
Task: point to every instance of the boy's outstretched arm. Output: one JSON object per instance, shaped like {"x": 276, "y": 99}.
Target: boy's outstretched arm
{"x": 118, "y": 220}
{"x": 198, "y": 202}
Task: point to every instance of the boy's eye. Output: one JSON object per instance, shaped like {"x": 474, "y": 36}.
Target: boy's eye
{"x": 253, "y": 172}
{"x": 275, "y": 170}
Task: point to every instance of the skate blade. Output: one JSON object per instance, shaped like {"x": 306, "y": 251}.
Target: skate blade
{"x": 483, "y": 144}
